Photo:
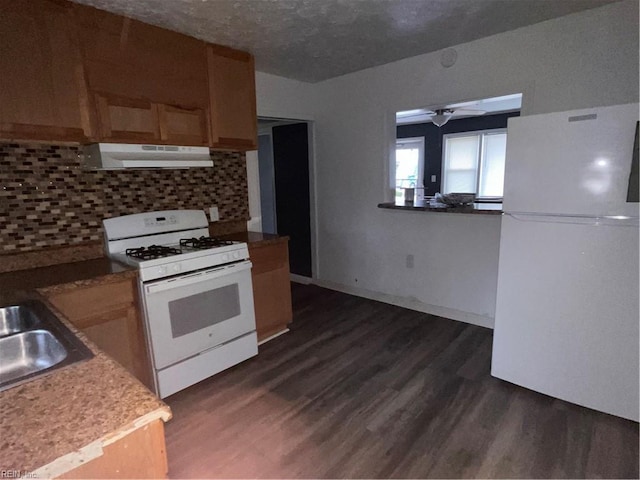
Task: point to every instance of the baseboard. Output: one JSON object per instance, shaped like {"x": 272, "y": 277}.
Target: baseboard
{"x": 410, "y": 303}
{"x": 300, "y": 279}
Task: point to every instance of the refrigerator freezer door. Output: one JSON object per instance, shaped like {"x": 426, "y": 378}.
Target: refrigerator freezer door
{"x": 575, "y": 162}
{"x": 567, "y": 312}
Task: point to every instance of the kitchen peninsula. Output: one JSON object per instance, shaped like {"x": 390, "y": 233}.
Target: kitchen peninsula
{"x": 424, "y": 206}
{"x": 89, "y": 420}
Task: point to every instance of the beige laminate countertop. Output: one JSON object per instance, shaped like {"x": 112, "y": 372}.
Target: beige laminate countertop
{"x": 56, "y": 422}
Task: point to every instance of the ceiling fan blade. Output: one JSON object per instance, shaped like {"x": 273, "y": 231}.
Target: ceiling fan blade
{"x": 468, "y": 112}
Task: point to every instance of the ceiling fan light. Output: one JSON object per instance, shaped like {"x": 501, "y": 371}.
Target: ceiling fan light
{"x": 440, "y": 119}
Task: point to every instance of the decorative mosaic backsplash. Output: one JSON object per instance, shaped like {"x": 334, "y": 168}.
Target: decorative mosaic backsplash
{"x": 48, "y": 197}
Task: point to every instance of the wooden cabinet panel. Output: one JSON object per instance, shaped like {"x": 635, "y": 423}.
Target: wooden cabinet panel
{"x": 271, "y": 288}
{"x": 43, "y": 94}
{"x": 232, "y": 93}
{"x": 131, "y": 120}
{"x": 123, "y": 119}
{"x": 131, "y": 59}
{"x": 73, "y": 72}
{"x": 140, "y": 454}
{"x": 150, "y": 84}
{"x": 108, "y": 314}
{"x": 182, "y": 126}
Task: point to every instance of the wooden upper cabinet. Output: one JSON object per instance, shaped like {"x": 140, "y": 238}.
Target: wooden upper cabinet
{"x": 43, "y": 94}
{"x": 232, "y": 94}
{"x": 148, "y": 84}
{"x": 183, "y": 126}
{"x": 127, "y": 120}
{"x": 73, "y": 72}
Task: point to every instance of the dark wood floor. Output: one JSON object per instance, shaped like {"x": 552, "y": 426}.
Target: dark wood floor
{"x": 364, "y": 389}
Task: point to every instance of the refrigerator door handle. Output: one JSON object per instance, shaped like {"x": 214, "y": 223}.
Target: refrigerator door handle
{"x": 605, "y": 220}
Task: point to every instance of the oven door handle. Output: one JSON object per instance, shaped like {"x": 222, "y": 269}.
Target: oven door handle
{"x": 197, "y": 277}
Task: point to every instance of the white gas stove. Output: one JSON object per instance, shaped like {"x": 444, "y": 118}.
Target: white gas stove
{"x": 196, "y": 292}
{"x": 162, "y": 244}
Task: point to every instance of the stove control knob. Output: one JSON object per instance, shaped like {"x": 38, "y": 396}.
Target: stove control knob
{"x": 236, "y": 254}
{"x": 162, "y": 270}
{"x": 225, "y": 257}
{"x": 177, "y": 267}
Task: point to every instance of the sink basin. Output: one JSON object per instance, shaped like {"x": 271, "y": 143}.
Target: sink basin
{"x": 16, "y": 318}
{"x": 28, "y": 352}
{"x": 33, "y": 342}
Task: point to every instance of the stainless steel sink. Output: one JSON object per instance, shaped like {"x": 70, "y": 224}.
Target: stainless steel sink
{"x": 33, "y": 342}
{"x": 16, "y": 318}
{"x": 25, "y": 353}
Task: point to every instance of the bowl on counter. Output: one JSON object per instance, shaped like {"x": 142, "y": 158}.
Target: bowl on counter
{"x": 455, "y": 199}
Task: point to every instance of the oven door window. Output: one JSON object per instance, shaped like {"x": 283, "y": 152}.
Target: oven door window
{"x": 194, "y": 313}
{"x": 186, "y": 314}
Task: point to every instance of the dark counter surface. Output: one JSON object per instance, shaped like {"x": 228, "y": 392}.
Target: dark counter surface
{"x": 423, "y": 206}
{"x": 255, "y": 239}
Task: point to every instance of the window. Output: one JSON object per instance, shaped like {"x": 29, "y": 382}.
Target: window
{"x": 409, "y": 163}
{"x": 473, "y": 162}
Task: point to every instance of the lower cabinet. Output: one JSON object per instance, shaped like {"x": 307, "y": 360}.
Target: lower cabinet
{"x": 271, "y": 287}
{"x": 140, "y": 454}
{"x": 108, "y": 314}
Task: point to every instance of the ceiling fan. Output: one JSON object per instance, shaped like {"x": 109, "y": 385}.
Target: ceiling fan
{"x": 440, "y": 116}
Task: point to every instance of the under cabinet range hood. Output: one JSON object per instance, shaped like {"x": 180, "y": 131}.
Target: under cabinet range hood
{"x": 111, "y": 156}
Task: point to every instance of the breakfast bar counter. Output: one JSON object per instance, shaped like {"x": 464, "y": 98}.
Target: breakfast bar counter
{"x": 425, "y": 206}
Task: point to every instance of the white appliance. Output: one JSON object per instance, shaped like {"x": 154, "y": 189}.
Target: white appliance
{"x": 567, "y": 304}
{"x": 113, "y": 156}
{"x": 196, "y": 292}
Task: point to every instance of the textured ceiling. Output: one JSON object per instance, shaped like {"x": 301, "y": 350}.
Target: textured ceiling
{"x": 313, "y": 40}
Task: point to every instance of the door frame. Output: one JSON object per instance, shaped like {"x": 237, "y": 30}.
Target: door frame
{"x": 313, "y": 195}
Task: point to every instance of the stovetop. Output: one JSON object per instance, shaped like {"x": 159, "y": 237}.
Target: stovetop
{"x": 204, "y": 242}
{"x": 186, "y": 245}
{"x": 168, "y": 243}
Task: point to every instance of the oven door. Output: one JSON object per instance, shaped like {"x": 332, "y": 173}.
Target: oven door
{"x": 189, "y": 314}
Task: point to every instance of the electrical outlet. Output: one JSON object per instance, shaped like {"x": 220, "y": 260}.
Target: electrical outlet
{"x": 213, "y": 214}
{"x": 409, "y": 261}
{"x": 433, "y": 179}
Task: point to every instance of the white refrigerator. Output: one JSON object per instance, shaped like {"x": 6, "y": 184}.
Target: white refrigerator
{"x": 567, "y": 309}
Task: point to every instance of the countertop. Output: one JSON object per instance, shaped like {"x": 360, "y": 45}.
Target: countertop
{"x": 423, "y": 206}
{"x": 83, "y": 273}
{"x": 54, "y": 423}
{"x": 256, "y": 239}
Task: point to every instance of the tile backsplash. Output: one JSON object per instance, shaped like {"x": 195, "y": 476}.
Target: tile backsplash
{"x": 48, "y": 197}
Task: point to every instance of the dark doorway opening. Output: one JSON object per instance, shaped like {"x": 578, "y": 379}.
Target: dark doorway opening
{"x": 290, "y": 174}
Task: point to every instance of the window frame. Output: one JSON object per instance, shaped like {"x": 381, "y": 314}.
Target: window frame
{"x": 479, "y": 159}
{"x": 421, "y": 149}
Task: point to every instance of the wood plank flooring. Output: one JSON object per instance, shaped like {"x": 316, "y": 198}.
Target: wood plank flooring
{"x": 361, "y": 389}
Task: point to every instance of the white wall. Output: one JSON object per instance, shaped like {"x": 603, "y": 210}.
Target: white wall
{"x": 582, "y": 60}
{"x": 281, "y": 97}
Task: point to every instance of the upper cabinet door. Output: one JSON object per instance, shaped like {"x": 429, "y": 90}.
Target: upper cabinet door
{"x": 127, "y": 120}
{"x": 43, "y": 92}
{"x": 155, "y": 76}
{"x": 232, "y": 93}
{"x": 183, "y": 126}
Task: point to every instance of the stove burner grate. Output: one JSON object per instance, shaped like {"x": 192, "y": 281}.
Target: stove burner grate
{"x": 204, "y": 242}
{"x": 152, "y": 251}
